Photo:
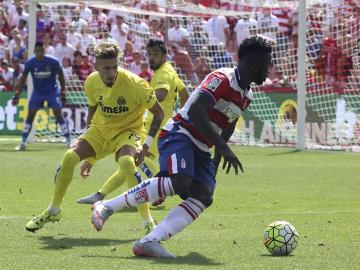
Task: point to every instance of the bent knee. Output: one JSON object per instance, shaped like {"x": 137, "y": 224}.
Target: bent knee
{"x": 206, "y": 199}
{"x": 70, "y": 158}
{"x": 181, "y": 183}
{"x": 126, "y": 163}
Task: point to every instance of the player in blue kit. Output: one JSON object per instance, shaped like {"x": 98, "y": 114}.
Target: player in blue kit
{"x": 44, "y": 70}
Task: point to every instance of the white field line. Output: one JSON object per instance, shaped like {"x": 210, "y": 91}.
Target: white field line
{"x": 247, "y": 214}
{"x": 10, "y": 139}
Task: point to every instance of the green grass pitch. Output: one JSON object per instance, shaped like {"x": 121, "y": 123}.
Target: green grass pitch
{"x": 318, "y": 192}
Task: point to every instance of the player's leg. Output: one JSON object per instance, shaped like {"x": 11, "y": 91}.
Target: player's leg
{"x": 87, "y": 146}
{"x": 35, "y": 103}
{"x": 125, "y": 156}
{"x": 199, "y": 198}
{"x": 150, "y": 167}
{"x": 55, "y": 103}
{"x": 175, "y": 159}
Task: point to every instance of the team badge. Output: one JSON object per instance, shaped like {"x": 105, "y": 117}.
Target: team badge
{"x": 121, "y": 101}
{"x": 141, "y": 196}
{"x": 213, "y": 84}
{"x": 183, "y": 163}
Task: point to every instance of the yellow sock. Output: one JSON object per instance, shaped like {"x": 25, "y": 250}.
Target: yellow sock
{"x": 64, "y": 176}
{"x": 127, "y": 165}
{"x": 152, "y": 165}
{"x": 115, "y": 181}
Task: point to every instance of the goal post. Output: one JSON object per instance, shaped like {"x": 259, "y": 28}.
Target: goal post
{"x": 301, "y": 82}
{"x": 311, "y": 98}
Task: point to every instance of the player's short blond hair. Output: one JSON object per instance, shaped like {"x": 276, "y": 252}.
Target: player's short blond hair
{"x": 107, "y": 50}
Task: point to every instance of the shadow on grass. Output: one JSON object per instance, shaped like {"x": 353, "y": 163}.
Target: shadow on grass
{"x": 134, "y": 209}
{"x": 192, "y": 258}
{"x": 51, "y": 243}
{"x": 293, "y": 151}
{"x": 269, "y": 255}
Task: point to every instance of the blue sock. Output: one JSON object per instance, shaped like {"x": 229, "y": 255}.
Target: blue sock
{"x": 25, "y": 132}
{"x": 65, "y": 129}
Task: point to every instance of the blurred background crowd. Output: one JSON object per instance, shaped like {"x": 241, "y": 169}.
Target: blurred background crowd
{"x": 197, "y": 44}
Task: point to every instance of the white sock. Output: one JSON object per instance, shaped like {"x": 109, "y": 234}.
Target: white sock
{"x": 176, "y": 220}
{"x": 147, "y": 191}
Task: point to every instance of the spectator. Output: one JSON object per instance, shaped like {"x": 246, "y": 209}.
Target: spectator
{"x": 67, "y": 68}
{"x": 49, "y": 49}
{"x": 218, "y": 30}
{"x": 22, "y": 27}
{"x": 178, "y": 35}
{"x": 19, "y": 50}
{"x": 97, "y": 24}
{"x": 202, "y": 67}
{"x": 77, "y": 20}
{"x": 86, "y": 39}
{"x": 134, "y": 66}
{"x": 268, "y": 24}
{"x": 244, "y": 28}
{"x": 64, "y": 49}
{"x": 145, "y": 71}
{"x": 4, "y": 22}
{"x": 183, "y": 62}
{"x": 18, "y": 70}
{"x": 40, "y": 25}
{"x": 86, "y": 68}
{"x": 19, "y": 14}
{"x": 155, "y": 31}
{"x": 6, "y": 75}
{"x": 85, "y": 12}
{"x": 73, "y": 37}
{"x": 77, "y": 62}
{"x": 106, "y": 36}
{"x": 128, "y": 53}
{"x": 119, "y": 31}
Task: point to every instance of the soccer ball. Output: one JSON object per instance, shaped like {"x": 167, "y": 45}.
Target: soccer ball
{"x": 280, "y": 238}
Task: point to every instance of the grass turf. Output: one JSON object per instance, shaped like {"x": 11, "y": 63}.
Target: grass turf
{"x": 318, "y": 192}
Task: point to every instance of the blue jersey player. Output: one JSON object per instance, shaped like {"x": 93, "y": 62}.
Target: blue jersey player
{"x": 44, "y": 70}
{"x": 207, "y": 119}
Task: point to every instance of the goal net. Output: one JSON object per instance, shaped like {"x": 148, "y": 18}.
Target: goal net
{"x": 202, "y": 38}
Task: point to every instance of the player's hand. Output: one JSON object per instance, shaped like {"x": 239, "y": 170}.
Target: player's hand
{"x": 140, "y": 156}
{"x": 230, "y": 160}
{"x": 63, "y": 96}
{"x": 15, "y": 100}
{"x": 85, "y": 169}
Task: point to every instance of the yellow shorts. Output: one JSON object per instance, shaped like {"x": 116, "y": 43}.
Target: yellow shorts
{"x": 103, "y": 147}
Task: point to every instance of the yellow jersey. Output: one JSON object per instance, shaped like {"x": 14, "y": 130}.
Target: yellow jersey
{"x": 165, "y": 77}
{"x": 120, "y": 107}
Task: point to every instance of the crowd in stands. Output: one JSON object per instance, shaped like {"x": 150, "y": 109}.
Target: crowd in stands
{"x": 197, "y": 45}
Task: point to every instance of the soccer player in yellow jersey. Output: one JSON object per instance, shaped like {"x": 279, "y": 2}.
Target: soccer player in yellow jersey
{"x": 167, "y": 86}
{"x": 117, "y": 101}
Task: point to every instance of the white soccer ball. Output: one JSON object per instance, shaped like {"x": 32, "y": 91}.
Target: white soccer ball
{"x": 280, "y": 238}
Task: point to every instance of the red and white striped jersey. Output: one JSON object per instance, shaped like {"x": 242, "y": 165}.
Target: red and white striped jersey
{"x": 222, "y": 86}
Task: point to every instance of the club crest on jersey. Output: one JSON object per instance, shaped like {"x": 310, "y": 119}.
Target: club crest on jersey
{"x": 183, "y": 163}
{"x": 213, "y": 84}
{"x": 121, "y": 101}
